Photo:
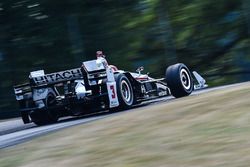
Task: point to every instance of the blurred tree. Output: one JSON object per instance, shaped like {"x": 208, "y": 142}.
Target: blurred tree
{"x": 166, "y": 31}
{"x": 56, "y": 35}
{"x": 246, "y": 12}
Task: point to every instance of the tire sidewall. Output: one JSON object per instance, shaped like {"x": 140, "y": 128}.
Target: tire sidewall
{"x": 43, "y": 117}
{"x": 190, "y": 89}
{"x": 120, "y": 80}
{"x": 174, "y": 80}
{"x": 52, "y": 114}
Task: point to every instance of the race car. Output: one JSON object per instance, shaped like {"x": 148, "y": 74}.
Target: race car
{"x": 97, "y": 86}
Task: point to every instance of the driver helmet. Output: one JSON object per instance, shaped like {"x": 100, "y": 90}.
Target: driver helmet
{"x": 99, "y": 54}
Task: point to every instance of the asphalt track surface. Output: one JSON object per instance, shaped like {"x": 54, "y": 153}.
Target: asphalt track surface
{"x": 13, "y": 132}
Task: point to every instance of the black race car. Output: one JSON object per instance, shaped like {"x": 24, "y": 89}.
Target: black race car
{"x": 95, "y": 87}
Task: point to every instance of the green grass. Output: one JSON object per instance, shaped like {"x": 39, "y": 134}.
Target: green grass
{"x": 205, "y": 130}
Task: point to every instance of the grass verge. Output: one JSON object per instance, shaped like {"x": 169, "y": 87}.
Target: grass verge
{"x": 205, "y": 130}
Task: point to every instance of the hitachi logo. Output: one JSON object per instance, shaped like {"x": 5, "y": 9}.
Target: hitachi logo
{"x": 58, "y": 76}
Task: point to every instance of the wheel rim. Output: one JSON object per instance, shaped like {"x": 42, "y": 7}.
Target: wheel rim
{"x": 185, "y": 79}
{"x": 126, "y": 92}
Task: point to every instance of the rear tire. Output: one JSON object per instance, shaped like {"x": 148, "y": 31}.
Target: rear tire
{"x": 39, "y": 117}
{"x": 125, "y": 92}
{"x": 52, "y": 113}
{"x": 179, "y": 80}
{"x": 43, "y": 117}
{"x": 23, "y": 104}
{"x": 25, "y": 117}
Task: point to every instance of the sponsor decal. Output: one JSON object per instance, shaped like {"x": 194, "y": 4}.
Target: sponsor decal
{"x": 112, "y": 88}
{"x": 58, "y": 76}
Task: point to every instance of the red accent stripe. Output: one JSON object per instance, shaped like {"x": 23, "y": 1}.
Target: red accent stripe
{"x": 142, "y": 78}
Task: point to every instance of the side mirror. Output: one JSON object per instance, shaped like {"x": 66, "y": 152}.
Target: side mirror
{"x": 139, "y": 69}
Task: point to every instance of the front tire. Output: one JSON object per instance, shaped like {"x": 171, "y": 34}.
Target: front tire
{"x": 179, "y": 80}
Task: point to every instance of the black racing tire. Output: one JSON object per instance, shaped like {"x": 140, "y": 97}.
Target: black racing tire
{"x": 38, "y": 118}
{"x": 48, "y": 116}
{"x": 179, "y": 80}
{"x": 25, "y": 117}
{"x": 52, "y": 113}
{"x": 125, "y": 92}
{"x": 23, "y": 104}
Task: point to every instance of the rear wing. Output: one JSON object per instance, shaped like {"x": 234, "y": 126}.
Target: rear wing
{"x": 39, "y": 78}
{"x": 93, "y": 68}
